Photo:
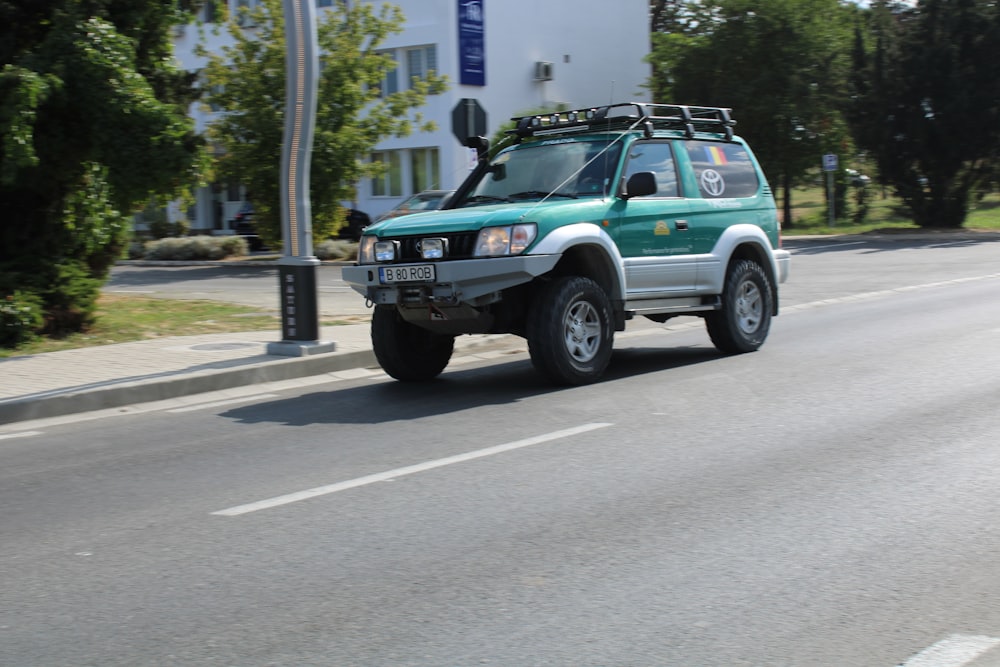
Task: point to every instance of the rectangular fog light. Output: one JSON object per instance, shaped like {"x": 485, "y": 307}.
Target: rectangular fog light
{"x": 433, "y": 248}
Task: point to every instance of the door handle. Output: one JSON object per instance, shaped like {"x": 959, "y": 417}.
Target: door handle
{"x": 682, "y": 225}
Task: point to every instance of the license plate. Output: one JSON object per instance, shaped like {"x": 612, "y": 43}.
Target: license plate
{"x": 415, "y": 273}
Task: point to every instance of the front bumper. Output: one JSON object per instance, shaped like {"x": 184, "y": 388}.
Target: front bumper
{"x": 459, "y": 281}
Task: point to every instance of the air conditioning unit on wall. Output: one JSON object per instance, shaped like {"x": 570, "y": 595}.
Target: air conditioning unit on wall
{"x": 543, "y": 71}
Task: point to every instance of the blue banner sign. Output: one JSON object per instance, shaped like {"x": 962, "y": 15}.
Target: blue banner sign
{"x": 471, "y": 43}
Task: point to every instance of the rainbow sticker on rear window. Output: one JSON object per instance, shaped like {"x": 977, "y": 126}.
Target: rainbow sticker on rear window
{"x": 715, "y": 155}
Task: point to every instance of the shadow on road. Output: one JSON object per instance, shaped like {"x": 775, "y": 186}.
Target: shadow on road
{"x": 457, "y": 391}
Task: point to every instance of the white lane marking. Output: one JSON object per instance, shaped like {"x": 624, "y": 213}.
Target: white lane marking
{"x": 407, "y": 470}
{"x": 22, "y": 434}
{"x": 215, "y": 404}
{"x": 953, "y": 651}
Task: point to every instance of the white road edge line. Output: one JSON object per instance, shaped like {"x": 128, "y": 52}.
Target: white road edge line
{"x": 407, "y": 470}
{"x": 22, "y": 434}
{"x": 216, "y": 404}
{"x": 953, "y": 651}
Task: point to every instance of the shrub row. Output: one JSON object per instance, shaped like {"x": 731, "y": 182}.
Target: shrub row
{"x": 191, "y": 248}
{"x": 220, "y": 247}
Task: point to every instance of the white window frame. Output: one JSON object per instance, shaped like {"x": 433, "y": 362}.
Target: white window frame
{"x": 425, "y": 169}
{"x": 420, "y": 61}
{"x": 389, "y": 183}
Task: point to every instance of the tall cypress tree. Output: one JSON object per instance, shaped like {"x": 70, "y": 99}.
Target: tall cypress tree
{"x": 93, "y": 121}
{"x": 931, "y": 118}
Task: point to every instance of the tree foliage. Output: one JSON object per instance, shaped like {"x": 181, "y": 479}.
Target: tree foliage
{"x": 247, "y": 82}
{"x": 927, "y": 102}
{"x": 93, "y": 121}
{"x": 781, "y": 65}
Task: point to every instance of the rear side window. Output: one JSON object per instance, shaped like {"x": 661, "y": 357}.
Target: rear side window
{"x": 723, "y": 170}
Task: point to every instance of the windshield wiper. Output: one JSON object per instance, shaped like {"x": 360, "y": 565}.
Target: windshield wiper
{"x": 528, "y": 194}
{"x": 475, "y": 199}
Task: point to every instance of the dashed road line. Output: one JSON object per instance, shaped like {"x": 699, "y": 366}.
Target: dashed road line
{"x": 953, "y": 651}
{"x": 407, "y": 470}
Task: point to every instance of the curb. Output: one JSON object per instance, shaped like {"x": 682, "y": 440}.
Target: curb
{"x": 184, "y": 384}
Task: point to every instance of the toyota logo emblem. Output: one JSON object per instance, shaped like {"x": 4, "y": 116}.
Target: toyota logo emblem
{"x": 712, "y": 183}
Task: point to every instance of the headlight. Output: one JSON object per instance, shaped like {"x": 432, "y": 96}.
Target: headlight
{"x": 366, "y": 250}
{"x": 500, "y": 241}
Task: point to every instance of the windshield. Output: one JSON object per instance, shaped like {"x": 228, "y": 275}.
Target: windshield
{"x": 554, "y": 168}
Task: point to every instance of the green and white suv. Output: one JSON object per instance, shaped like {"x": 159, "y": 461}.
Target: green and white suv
{"x": 590, "y": 218}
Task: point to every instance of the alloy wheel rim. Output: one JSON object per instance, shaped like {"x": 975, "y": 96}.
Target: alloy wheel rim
{"x": 583, "y": 331}
{"x": 749, "y": 307}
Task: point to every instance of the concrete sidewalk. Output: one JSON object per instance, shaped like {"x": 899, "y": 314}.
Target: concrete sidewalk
{"x": 95, "y": 378}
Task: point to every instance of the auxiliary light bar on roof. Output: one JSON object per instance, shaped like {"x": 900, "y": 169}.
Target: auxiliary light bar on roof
{"x": 624, "y": 115}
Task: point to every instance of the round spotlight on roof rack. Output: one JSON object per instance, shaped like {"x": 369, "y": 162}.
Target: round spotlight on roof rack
{"x": 572, "y": 116}
{"x": 590, "y": 113}
{"x": 536, "y": 121}
{"x": 554, "y": 118}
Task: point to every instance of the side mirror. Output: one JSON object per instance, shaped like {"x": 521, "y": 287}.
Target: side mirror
{"x": 640, "y": 184}
{"x": 481, "y": 144}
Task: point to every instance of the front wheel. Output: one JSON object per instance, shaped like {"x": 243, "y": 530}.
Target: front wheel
{"x": 741, "y": 325}
{"x": 404, "y": 350}
{"x": 569, "y": 331}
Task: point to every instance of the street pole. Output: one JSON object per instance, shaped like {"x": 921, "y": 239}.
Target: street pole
{"x": 297, "y": 266}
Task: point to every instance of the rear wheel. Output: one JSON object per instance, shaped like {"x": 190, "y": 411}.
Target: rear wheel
{"x": 742, "y": 324}
{"x": 569, "y": 331}
{"x": 404, "y": 350}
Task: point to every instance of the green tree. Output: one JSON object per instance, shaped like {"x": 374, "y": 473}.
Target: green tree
{"x": 781, "y": 65}
{"x": 93, "y": 122}
{"x": 930, "y": 114}
{"x": 352, "y": 115}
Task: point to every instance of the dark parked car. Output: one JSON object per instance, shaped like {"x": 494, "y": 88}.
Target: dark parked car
{"x": 356, "y": 223}
{"x": 242, "y": 225}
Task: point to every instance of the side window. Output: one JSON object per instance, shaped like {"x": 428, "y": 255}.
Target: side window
{"x": 722, "y": 169}
{"x": 654, "y": 156}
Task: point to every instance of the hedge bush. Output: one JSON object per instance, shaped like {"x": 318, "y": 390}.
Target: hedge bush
{"x": 336, "y": 249}
{"x": 196, "y": 248}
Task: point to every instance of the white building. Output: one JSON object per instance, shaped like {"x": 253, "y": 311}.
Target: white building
{"x": 511, "y": 56}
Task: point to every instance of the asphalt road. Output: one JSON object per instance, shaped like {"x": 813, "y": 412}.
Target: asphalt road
{"x": 828, "y": 500}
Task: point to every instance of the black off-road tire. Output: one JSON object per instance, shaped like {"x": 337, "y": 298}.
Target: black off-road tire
{"x": 404, "y": 350}
{"x": 744, "y": 320}
{"x": 569, "y": 331}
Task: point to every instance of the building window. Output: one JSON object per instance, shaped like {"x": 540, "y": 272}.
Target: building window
{"x": 242, "y": 11}
{"x": 210, "y": 12}
{"x": 425, "y": 169}
{"x": 324, "y": 3}
{"x": 421, "y": 61}
{"x": 390, "y": 182}
{"x": 390, "y": 82}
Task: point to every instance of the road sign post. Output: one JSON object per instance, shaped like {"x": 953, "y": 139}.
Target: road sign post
{"x": 468, "y": 119}
{"x": 830, "y": 166}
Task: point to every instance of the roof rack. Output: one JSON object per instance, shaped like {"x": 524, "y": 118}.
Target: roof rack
{"x": 627, "y": 115}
